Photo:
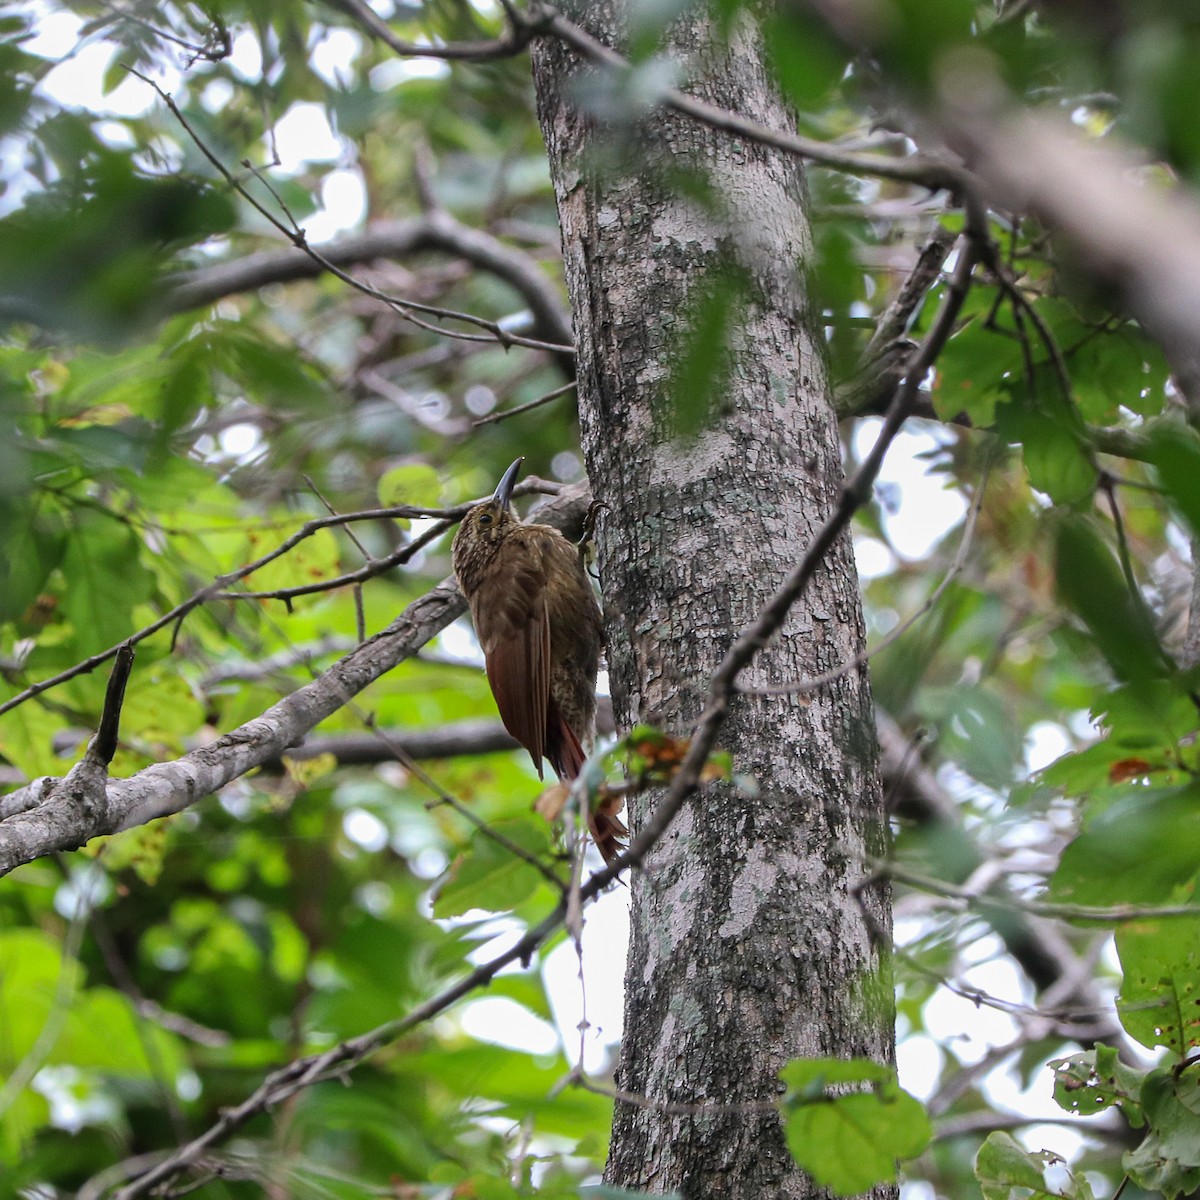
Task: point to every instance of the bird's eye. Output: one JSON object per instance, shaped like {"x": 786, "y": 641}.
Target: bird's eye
{"x": 485, "y": 518}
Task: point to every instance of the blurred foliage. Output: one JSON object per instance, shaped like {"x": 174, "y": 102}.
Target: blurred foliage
{"x": 151, "y": 981}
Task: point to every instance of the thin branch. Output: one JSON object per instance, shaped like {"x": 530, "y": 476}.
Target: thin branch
{"x": 976, "y": 1124}
{"x": 511, "y": 43}
{"x": 377, "y": 566}
{"x": 304, "y": 1072}
{"x": 1116, "y": 914}
{"x": 444, "y": 797}
{"x": 218, "y": 46}
{"x": 387, "y": 240}
{"x": 492, "y": 418}
{"x": 1107, "y": 486}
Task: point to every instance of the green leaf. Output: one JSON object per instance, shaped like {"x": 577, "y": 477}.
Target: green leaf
{"x": 413, "y": 483}
{"x": 313, "y": 560}
{"x": 973, "y": 372}
{"x": 30, "y": 965}
{"x": 1139, "y": 848}
{"x": 1115, "y": 369}
{"x": 802, "y": 1074}
{"x": 850, "y": 1142}
{"x": 975, "y": 729}
{"x": 1154, "y": 715}
{"x": 1007, "y": 1172}
{"x": 270, "y": 370}
{"x": 1095, "y": 1081}
{"x": 489, "y": 876}
{"x": 129, "y": 1047}
{"x": 527, "y": 989}
{"x": 1175, "y": 453}
{"x": 807, "y": 61}
{"x": 1091, "y": 585}
{"x": 522, "y": 1085}
{"x": 105, "y": 580}
{"x": 1002, "y": 1165}
{"x": 1050, "y": 435}
{"x": 1168, "y": 1160}
{"x": 27, "y": 737}
{"x": 1159, "y": 1004}
{"x": 31, "y": 546}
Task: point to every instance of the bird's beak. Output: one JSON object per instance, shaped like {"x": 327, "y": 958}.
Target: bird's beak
{"x": 503, "y": 493}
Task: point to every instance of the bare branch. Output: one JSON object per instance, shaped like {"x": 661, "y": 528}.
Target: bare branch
{"x": 1116, "y": 914}
{"x": 515, "y": 39}
{"x": 390, "y": 240}
{"x": 492, "y": 418}
{"x": 480, "y": 736}
{"x": 801, "y": 686}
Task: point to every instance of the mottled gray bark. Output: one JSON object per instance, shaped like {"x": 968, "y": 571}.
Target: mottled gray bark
{"x": 750, "y": 946}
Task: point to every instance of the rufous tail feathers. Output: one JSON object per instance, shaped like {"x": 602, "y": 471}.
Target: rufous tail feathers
{"x": 567, "y": 758}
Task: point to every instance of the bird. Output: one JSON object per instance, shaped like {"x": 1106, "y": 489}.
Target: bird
{"x": 541, "y": 632}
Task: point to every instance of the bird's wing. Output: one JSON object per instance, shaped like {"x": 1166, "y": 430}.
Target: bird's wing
{"x": 514, "y": 630}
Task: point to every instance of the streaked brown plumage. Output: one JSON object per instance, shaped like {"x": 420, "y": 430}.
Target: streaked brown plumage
{"x": 538, "y": 623}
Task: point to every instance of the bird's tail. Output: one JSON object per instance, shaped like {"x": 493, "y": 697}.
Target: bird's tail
{"x": 607, "y": 828}
{"x": 562, "y": 746}
{"x": 567, "y": 757}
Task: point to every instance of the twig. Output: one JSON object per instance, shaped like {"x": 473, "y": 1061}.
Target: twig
{"x": 390, "y": 239}
{"x": 377, "y": 566}
{"x": 1116, "y": 914}
{"x": 492, "y": 418}
{"x": 104, "y": 745}
{"x": 335, "y": 1062}
{"x": 214, "y": 50}
{"x": 444, "y": 797}
{"x": 510, "y": 44}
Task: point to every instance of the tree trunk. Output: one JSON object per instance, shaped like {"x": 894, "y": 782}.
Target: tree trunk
{"x": 750, "y": 944}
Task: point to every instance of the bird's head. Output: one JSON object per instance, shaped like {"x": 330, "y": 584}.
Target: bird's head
{"x": 485, "y": 525}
